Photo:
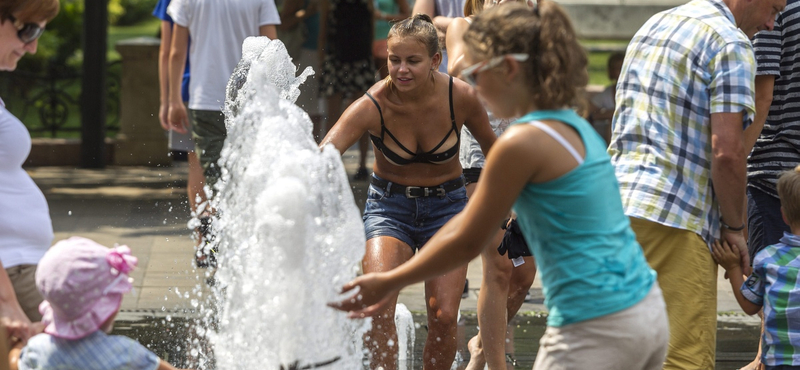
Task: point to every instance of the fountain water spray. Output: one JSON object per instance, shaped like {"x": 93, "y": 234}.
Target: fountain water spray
{"x": 287, "y": 228}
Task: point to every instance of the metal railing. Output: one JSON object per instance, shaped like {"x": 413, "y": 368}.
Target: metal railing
{"x": 49, "y": 104}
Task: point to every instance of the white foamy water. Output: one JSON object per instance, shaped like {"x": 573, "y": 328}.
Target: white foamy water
{"x": 289, "y": 231}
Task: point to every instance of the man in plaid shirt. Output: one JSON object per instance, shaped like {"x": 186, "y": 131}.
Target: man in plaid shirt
{"x": 684, "y": 97}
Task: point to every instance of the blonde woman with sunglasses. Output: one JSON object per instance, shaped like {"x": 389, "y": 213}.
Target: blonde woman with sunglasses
{"x": 605, "y": 308}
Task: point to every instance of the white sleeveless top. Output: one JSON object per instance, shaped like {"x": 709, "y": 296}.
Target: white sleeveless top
{"x": 26, "y": 231}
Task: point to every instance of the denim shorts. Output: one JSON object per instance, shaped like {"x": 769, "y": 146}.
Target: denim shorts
{"x": 412, "y": 221}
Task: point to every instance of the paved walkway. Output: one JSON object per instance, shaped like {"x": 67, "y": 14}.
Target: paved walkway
{"x": 146, "y": 209}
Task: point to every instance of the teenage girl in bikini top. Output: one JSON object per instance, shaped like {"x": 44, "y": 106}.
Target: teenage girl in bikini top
{"x": 414, "y": 118}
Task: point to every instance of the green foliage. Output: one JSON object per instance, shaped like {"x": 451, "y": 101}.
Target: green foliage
{"x": 129, "y": 12}
{"x": 59, "y": 45}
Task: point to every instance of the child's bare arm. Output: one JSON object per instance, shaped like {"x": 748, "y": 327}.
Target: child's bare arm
{"x": 730, "y": 259}
{"x": 13, "y": 356}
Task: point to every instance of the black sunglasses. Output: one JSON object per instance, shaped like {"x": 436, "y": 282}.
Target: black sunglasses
{"x": 29, "y": 32}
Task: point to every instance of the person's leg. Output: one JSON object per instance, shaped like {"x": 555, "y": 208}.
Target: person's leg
{"x": 363, "y": 146}
{"x": 195, "y": 182}
{"x": 332, "y": 111}
{"x": 521, "y": 280}
{"x": 765, "y": 225}
{"x": 687, "y": 275}
{"x": 23, "y": 280}
{"x": 209, "y": 135}
{"x": 488, "y": 346}
{"x": 384, "y": 254}
{"x": 442, "y": 298}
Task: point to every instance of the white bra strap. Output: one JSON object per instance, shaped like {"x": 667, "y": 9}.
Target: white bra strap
{"x": 555, "y": 135}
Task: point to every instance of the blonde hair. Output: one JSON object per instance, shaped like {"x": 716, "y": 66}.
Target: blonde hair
{"x": 556, "y": 71}
{"x": 789, "y": 192}
{"x": 475, "y": 7}
{"x": 29, "y": 10}
{"x": 418, "y": 27}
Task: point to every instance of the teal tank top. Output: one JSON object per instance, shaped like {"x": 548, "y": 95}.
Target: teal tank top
{"x": 586, "y": 253}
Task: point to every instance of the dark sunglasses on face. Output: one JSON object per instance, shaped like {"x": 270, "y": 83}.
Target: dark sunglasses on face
{"x": 27, "y": 32}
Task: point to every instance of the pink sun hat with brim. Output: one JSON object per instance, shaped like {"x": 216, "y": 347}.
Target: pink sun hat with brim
{"x": 82, "y": 283}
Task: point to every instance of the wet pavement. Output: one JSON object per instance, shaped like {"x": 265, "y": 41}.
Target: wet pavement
{"x": 146, "y": 208}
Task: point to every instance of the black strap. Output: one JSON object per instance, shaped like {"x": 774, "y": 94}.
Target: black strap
{"x": 418, "y": 191}
{"x": 452, "y": 111}
{"x": 380, "y": 112}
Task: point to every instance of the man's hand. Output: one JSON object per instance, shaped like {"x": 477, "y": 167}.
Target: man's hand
{"x": 372, "y": 297}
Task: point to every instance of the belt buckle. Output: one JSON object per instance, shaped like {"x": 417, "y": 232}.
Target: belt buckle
{"x": 412, "y": 196}
{"x": 440, "y": 192}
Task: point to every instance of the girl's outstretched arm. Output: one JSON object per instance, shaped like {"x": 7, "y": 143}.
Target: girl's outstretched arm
{"x": 508, "y": 170}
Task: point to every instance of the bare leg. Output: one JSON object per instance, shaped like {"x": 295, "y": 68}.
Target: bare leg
{"x": 503, "y": 290}
{"x": 195, "y": 182}
{"x": 488, "y": 346}
{"x": 756, "y": 363}
{"x": 384, "y": 254}
{"x": 442, "y": 297}
{"x": 521, "y": 281}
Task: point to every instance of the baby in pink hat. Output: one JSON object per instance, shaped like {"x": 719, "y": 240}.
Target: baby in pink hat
{"x": 82, "y": 283}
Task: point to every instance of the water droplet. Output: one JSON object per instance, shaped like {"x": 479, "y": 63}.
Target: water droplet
{"x": 69, "y": 213}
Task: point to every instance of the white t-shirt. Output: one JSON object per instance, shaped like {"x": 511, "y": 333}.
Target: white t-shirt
{"x": 25, "y": 227}
{"x": 217, "y": 29}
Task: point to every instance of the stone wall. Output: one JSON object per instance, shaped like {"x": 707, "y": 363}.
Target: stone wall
{"x": 612, "y": 19}
{"x": 141, "y": 141}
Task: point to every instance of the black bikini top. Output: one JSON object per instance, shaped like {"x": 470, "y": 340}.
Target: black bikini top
{"x": 424, "y": 157}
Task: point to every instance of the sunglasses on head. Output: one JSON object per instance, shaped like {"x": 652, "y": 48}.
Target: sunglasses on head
{"x": 27, "y": 32}
{"x": 470, "y": 74}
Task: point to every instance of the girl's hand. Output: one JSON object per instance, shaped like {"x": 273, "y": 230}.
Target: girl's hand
{"x": 726, "y": 256}
{"x": 372, "y": 296}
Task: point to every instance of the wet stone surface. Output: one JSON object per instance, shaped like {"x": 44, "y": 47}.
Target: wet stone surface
{"x": 174, "y": 340}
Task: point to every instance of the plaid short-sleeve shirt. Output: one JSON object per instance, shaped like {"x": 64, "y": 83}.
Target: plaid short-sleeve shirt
{"x": 683, "y": 65}
{"x": 775, "y": 285}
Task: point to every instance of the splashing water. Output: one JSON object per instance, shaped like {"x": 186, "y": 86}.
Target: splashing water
{"x": 288, "y": 229}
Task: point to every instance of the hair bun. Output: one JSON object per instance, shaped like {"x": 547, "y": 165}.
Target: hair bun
{"x": 424, "y": 17}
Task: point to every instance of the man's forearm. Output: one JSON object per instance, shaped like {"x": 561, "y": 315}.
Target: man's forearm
{"x": 729, "y": 176}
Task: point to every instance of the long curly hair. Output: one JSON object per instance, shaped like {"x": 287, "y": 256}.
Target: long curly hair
{"x": 556, "y": 70}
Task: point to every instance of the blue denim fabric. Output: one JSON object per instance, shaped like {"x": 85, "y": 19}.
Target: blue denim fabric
{"x": 765, "y": 224}
{"x": 412, "y": 221}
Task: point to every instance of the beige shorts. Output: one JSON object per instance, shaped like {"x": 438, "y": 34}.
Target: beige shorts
{"x": 24, "y": 282}
{"x": 632, "y": 339}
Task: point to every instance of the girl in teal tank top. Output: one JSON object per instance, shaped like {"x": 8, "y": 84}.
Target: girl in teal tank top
{"x": 605, "y": 307}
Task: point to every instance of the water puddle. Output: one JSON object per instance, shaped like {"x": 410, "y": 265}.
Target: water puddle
{"x": 737, "y": 340}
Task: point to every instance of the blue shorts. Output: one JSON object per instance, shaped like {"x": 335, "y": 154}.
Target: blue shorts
{"x": 410, "y": 220}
